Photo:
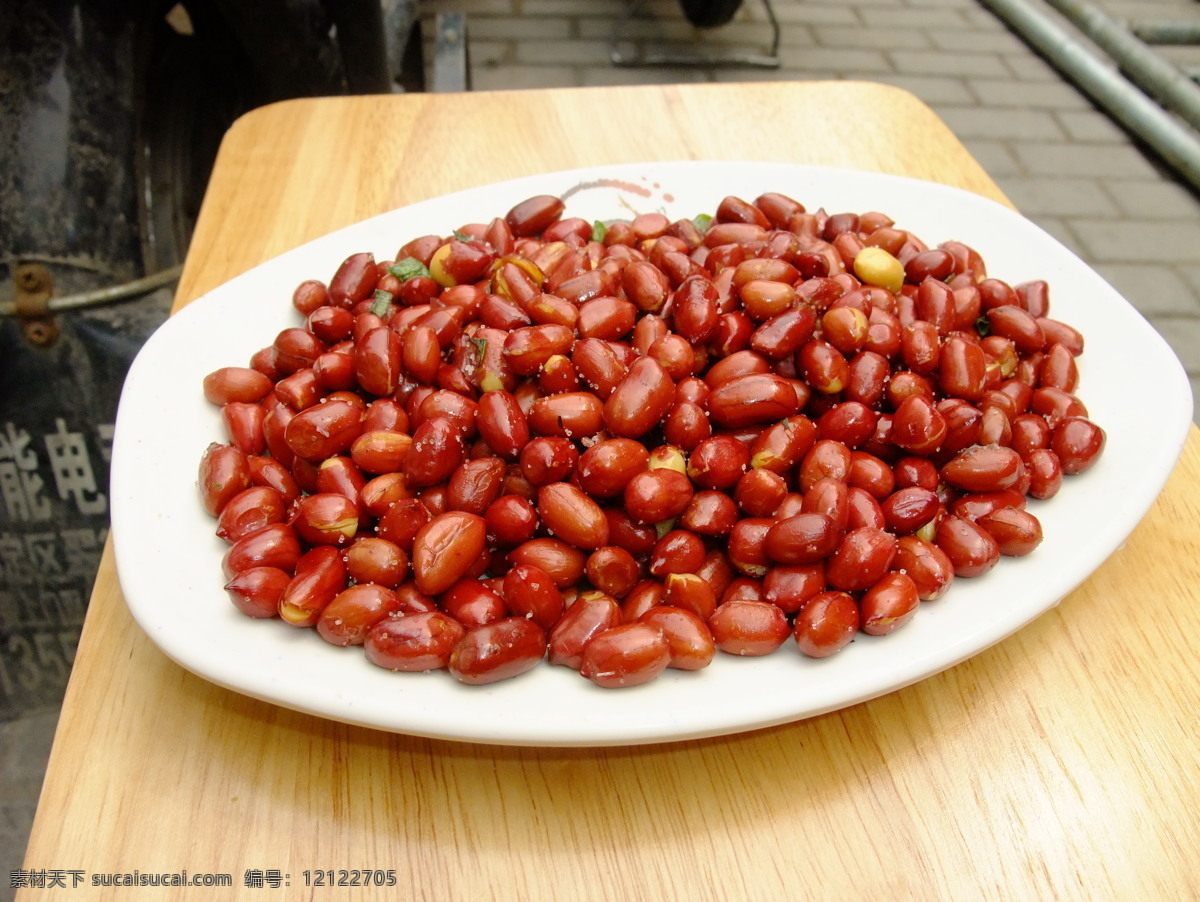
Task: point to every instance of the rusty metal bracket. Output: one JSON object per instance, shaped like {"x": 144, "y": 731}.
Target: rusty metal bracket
{"x": 34, "y": 288}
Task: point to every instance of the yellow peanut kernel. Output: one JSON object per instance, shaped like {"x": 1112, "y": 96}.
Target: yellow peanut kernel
{"x": 875, "y": 266}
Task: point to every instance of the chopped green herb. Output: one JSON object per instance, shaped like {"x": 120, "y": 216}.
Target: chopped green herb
{"x": 480, "y": 346}
{"x": 408, "y": 268}
{"x": 702, "y": 222}
{"x": 382, "y": 303}
{"x": 983, "y": 326}
{"x": 599, "y": 230}
{"x": 462, "y": 236}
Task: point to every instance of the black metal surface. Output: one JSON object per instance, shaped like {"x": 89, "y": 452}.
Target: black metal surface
{"x": 111, "y": 114}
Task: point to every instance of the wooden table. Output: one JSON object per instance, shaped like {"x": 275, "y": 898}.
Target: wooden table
{"x": 1064, "y": 762}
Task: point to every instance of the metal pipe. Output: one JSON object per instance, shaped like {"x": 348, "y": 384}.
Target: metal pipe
{"x": 1174, "y": 142}
{"x": 1167, "y": 32}
{"x": 1146, "y": 68}
{"x": 102, "y": 296}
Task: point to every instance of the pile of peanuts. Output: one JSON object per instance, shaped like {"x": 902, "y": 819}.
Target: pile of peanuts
{"x": 623, "y": 447}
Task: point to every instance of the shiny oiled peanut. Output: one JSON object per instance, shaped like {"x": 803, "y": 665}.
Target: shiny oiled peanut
{"x": 320, "y": 574}
{"x": 445, "y": 548}
{"x": 528, "y": 591}
{"x": 826, "y": 624}
{"x": 574, "y": 415}
{"x": 323, "y": 430}
{"x": 511, "y": 519}
{"x": 370, "y": 559}
{"x": 236, "y": 383}
{"x": 613, "y": 570}
{"x": 1078, "y": 443}
{"x": 678, "y": 551}
{"x": 984, "y": 468}
{"x": 591, "y": 614}
{"x": 549, "y": 459}
{"x": 790, "y": 586}
{"x": 802, "y": 539}
{"x": 224, "y": 473}
{"x": 534, "y": 215}
{"x": 653, "y": 496}
{"x": 414, "y": 643}
{"x": 255, "y": 591}
{"x": 349, "y": 617}
{"x": 718, "y": 462}
{"x": 564, "y": 563}
{"x": 607, "y": 467}
{"x": 689, "y": 641}
{"x": 475, "y": 485}
{"x": 751, "y": 399}
{"x": 711, "y": 513}
{"x": 438, "y": 448}
{"x": 926, "y": 565}
{"x": 1017, "y": 532}
{"x": 498, "y": 651}
{"x": 249, "y": 511}
{"x": 354, "y": 280}
{"x": 380, "y": 451}
{"x": 377, "y": 359}
{"x": 326, "y": 518}
{"x": 748, "y": 628}
{"x": 473, "y": 602}
{"x": 624, "y": 656}
{"x": 862, "y": 557}
{"x": 401, "y": 522}
{"x": 889, "y": 604}
{"x": 571, "y": 515}
{"x": 970, "y": 548}
{"x": 781, "y": 446}
{"x": 640, "y": 400}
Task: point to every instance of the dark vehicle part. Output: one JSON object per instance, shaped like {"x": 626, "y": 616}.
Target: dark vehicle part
{"x": 710, "y": 13}
{"x": 112, "y": 116}
{"x": 626, "y": 48}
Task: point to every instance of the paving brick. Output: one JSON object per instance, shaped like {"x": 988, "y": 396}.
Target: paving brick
{"x": 489, "y": 53}
{"x": 1091, "y": 126}
{"x": 1115, "y": 161}
{"x": 831, "y": 62}
{"x": 1029, "y": 67}
{"x": 943, "y": 62}
{"x": 931, "y": 89}
{"x": 877, "y": 38}
{"x": 1058, "y": 228}
{"x": 1008, "y": 93}
{"x": 1157, "y": 198}
{"x": 513, "y": 78}
{"x": 814, "y": 13}
{"x": 996, "y": 157}
{"x": 559, "y": 53}
{"x": 1139, "y": 241}
{"x": 1058, "y": 196}
{"x": 1153, "y": 290}
{"x": 650, "y": 75}
{"x": 975, "y": 40}
{"x": 1004, "y": 125}
{"x": 913, "y": 18}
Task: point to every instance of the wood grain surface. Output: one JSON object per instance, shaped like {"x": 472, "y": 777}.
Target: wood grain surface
{"x": 1062, "y": 763}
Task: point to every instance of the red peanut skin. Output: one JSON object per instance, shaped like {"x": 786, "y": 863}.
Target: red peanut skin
{"x": 445, "y": 548}
{"x": 591, "y": 614}
{"x": 627, "y": 655}
{"x": 497, "y": 651}
{"x": 640, "y": 400}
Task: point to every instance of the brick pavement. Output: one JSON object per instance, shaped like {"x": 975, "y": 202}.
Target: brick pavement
{"x": 1064, "y": 163}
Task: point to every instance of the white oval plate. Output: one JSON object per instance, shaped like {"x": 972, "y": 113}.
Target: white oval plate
{"x": 169, "y": 559}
